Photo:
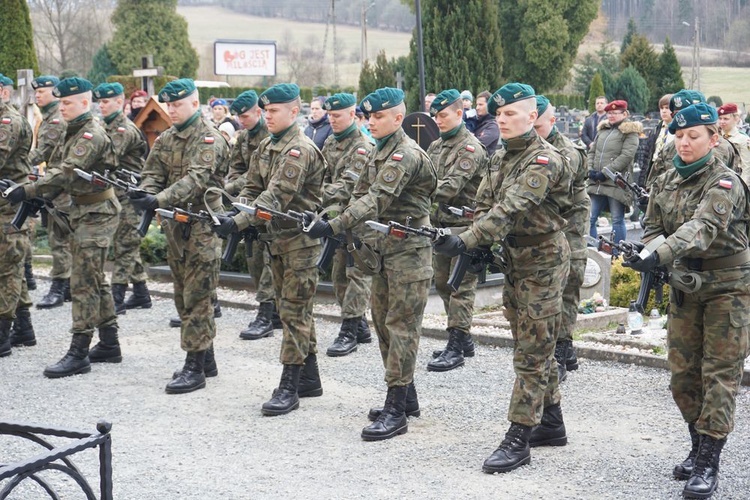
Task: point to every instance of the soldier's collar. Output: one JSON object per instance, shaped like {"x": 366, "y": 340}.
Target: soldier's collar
{"x": 380, "y": 144}
{"x": 109, "y": 119}
{"x": 257, "y": 128}
{"x": 521, "y": 142}
{"x": 346, "y": 133}
{"x": 75, "y": 124}
{"x": 49, "y": 107}
{"x": 275, "y": 138}
{"x": 452, "y": 133}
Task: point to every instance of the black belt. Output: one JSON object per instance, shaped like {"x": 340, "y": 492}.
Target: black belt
{"x": 718, "y": 263}
{"x": 518, "y": 241}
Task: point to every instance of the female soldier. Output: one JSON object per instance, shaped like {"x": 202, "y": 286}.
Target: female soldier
{"x": 701, "y": 207}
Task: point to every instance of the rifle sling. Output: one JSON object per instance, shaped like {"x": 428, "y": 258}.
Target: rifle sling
{"x": 518, "y": 241}
{"x": 90, "y": 199}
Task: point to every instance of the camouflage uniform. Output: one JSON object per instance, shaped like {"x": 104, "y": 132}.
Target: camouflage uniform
{"x": 399, "y": 182}
{"x": 183, "y": 163}
{"x": 93, "y": 218}
{"x": 15, "y": 142}
{"x": 350, "y": 284}
{"x": 724, "y": 151}
{"x": 518, "y": 205}
{"x": 705, "y": 217}
{"x": 51, "y": 133}
{"x": 741, "y": 142}
{"x": 131, "y": 149}
{"x": 288, "y": 175}
{"x": 461, "y": 163}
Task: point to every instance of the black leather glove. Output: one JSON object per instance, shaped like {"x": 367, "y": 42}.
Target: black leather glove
{"x": 143, "y": 201}
{"x": 17, "y": 195}
{"x": 592, "y": 175}
{"x": 599, "y": 176}
{"x": 643, "y": 265}
{"x": 227, "y": 226}
{"x": 320, "y": 229}
{"x": 451, "y": 246}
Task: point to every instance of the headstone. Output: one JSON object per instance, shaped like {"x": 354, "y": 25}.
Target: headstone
{"x": 598, "y": 275}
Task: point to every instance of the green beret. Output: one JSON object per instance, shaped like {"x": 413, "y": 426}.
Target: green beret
{"x": 72, "y": 86}
{"x": 340, "y": 101}
{"x": 542, "y": 103}
{"x": 176, "y": 90}
{"x": 246, "y": 100}
{"x": 443, "y": 100}
{"x": 685, "y": 98}
{"x": 44, "y": 81}
{"x": 278, "y": 94}
{"x": 381, "y": 99}
{"x": 107, "y": 90}
{"x": 508, "y": 94}
{"x": 5, "y": 81}
{"x": 694, "y": 115}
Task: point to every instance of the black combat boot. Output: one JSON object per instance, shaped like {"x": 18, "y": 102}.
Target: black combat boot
{"x": 705, "y": 477}
{"x": 309, "y": 379}
{"x": 363, "y": 332}
{"x": 512, "y": 453}
{"x": 346, "y": 342}
{"x": 452, "y": 356}
{"x": 75, "y": 361}
{"x": 276, "y": 319}
{"x": 571, "y": 360}
{"x": 392, "y": 420}
{"x": 176, "y": 322}
{"x": 22, "y": 333}
{"x": 285, "y": 397}
{"x": 107, "y": 350}
{"x": 411, "y": 409}
{"x": 191, "y": 377}
{"x": 560, "y": 352}
{"x": 551, "y": 432}
{"x": 467, "y": 346}
{"x": 118, "y": 295}
{"x": 210, "y": 369}
{"x": 29, "y": 273}
{"x": 685, "y": 469}
{"x": 5, "y": 349}
{"x": 262, "y": 326}
{"x": 140, "y": 298}
{"x": 67, "y": 297}
{"x": 217, "y": 308}
{"x": 55, "y": 296}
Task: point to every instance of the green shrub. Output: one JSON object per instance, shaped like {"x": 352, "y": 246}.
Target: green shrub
{"x": 154, "y": 246}
{"x": 624, "y": 286}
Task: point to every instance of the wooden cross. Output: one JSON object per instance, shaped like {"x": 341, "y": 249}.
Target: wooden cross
{"x": 418, "y": 125}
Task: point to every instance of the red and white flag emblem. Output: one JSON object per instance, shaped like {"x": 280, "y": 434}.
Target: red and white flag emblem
{"x": 208, "y": 140}
{"x": 397, "y": 157}
{"x": 542, "y": 160}
{"x": 88, "y": 135}
{"x": 470, "y": 148}
{"x": 294, "y": 152}
{"x": 725, "y": 183}
{"x": 361, "y": 151}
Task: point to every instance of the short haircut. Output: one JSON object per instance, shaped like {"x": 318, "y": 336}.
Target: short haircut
{"x": 484, "y": 94}
{"x": 431, "y": 94}
{"x": 664, "y": 101}
{"x": 601, "y": 97}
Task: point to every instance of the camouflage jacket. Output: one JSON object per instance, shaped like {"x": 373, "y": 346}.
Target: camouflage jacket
{"x": 51, "y": 132}
{"x": 577, "y": 214}
{"x": 522, "y": 194}
{"x": 741, "y": 143}
{"x": 399, "y": 182}
{"x": 461, "y": 164}
{"x": 184, "y": 163}
{"x": 286, "y": 175}
{"x": 130, "y": 145}
{"x": 344, "y": 157}
{"x": 243, "y": 149}
{"x": 15, "y": 142}
{"x": 724, "y": 152}
{"x": 704, "y": 216}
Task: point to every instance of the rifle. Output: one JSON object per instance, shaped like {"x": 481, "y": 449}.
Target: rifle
{"x": 105, "y": 181}
{"x": 398, "y": 230}
{"x": 269, "y": 214}
{"x": 475, "y": 261}
{"x": 330, "y": 245}
{"x": 640, "y": 194}
{"x": 250, "y": 234}
{"x": 187, "y": 217}
{"x": 35, "y": 175}
{"x": 465, "y": 212}
{"x": 128, "y": 175}
{"x": 27, "y": 208}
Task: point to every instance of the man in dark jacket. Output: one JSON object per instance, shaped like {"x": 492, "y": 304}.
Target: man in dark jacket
{"x": 590, "y": 126}
{"x": 486, "y": 130}
{"x": 318, "y": 129}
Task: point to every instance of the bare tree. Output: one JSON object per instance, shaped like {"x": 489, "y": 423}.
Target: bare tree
{"x": 305, "y": 62}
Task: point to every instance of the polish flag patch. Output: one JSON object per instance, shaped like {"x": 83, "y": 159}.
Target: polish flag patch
{"x": 55, "y": 121}
{"x": 725, "y": 183}
{"x": 121, "y": 129}
{"x": 294, "y": 152}
{"x": 208, "y": 140}
{"x": 542, "y": 160}
{"x": 88, "y": 135}
{"x": 361, "y": 151}
{"x": 397, "y": 157}
{"x": 6, "y": 121}
{"x": 470, "y": 148}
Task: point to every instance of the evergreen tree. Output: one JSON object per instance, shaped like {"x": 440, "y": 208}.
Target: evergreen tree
{"x": 632, "y": 87}
{"x": 629, "y": 34}
{"x": 597, "y": 89}
{"x": 145, "y": 27}
{"x": 383, "y": 74}
{"x": 16, "y": 38}
{"x": 640, "y": 54}
{"x": 102, "y": 66}
{"x": 669, "y": 78}
{"x": 606, "y": 63}
{"x": 367, "y": 83}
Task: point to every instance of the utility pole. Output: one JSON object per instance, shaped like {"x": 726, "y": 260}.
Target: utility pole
{"x": 363, "y": 26}
{"x": 697, "y": 55}
{"x": 420, "y": 55}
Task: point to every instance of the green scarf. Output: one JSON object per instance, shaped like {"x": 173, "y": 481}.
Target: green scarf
{"x": 380, "y": 143}
{"x": 452, "y": 133}
{"x": 346, "y": 133}
{"x": 257, "y": 128}
{"x": 182, "y": 126}
{"x": 277, "y": 137}
{"x": 49, "y": 107}
{"x": 109, "y": 119}
{"x": 686, "y": 170}
{"x": 519, "y": 143}
{"x": 81, "y": 118}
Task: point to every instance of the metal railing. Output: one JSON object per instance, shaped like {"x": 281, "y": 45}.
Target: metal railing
{"x": 57, "y": 459}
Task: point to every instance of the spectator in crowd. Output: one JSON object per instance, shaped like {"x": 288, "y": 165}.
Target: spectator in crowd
{"x": 428, "y": 101}
{"x": 220, "y": 114}
{"x": 659, "y": 138}
{"x": 363, "y": 123}
{"x": 318, "y": 129}
{"x": 138, "y": 100}
{"x": 487, "y": 130}
{"x": 470, "y": 114}
{"x": 729, "y": 119}
{"x": 228, "y": 131}
{"x": 590, "y": 126}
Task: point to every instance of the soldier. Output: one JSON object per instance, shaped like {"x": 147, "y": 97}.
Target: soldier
{"x": 286, "y": 173}
{"x": 253, "y": 132}
{"x": 729, "y": 118}
{"x": 702, "y": 208}
{"x": 15, "y": 142}
{"x": 461, "y": 162}
{"x": 50, "y": 134}
{"x": 576, "y": 215}
{"x": 346, "y": 152}
{"x": 187, "y": 159}
{"x": 519, "y": 205}
{"x": 399, "y": 182}
{"x": 93, "y": 219}
{"x": 131, "y": 150}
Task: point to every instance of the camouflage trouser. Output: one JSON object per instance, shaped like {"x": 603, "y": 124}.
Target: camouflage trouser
{"x": 351, "y": 286}
{"x": 59, "y": 239}
{"x": 399, "y": 296}
{"x": 91, "y": 296}
{"x": 195, "y": 273}
{"x": 572, "y": 291}
{"x": 14, "y": 246}
{"x": 128, "y": 267}
{"x": 459, "y": 305}
{"x": 295, "y": 279}
{"x": 259, "y": 266}
{"x": 532, "y": 298}
{"x": 31, "y": 231}
{"x": 707, "y": 338}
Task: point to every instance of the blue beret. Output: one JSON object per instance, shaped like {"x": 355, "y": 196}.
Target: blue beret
{"x": 685, "y": 98}
{"x": 44, "y": 81}
{"x": 107, "y": 90}
{"x": 176, "y": 90}
{"x": 246, "y": 100}
{"x": 339, "y": 101}
{"x": 508, "y": 94}
{"x": 5, "y": 81}
{"x": 279, "y": 94}
{"x": 218, "y": 102}
{"x": 381, "y": 99}
{"x": 694, "y": 115}
{"x": 443, "y": 100}
{"x": 72, "y": 86}
{"x": 542, "y": 103}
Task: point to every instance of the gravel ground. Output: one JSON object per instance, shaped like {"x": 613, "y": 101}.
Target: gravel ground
{"x": 625, "y": 433}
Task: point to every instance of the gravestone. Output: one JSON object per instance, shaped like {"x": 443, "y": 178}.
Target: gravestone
{"x": 598, "y": 274}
